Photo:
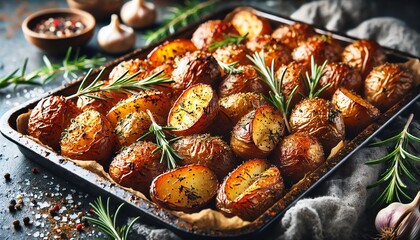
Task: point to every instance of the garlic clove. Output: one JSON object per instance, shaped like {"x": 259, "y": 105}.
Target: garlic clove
{"x": 138, "y": 13}
{"x": 116, "y": 38}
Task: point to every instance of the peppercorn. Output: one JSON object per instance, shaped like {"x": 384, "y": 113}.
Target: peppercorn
{"x": 26, "y": 221}
{"x": 79, "y": 227}
{"x": 7, "y": 177}
{"x": 52, "y": 211}
{"x": 34, "y": 202}
{"x": 20, "y": 201}
{"x": 56, "y": 207}
{"x": 13, "y": 202}
{"x": 18, "y": 206}
{"x": 16, "y": 224}
{"x": 80, "y": 214}
{"x": 12, "y": 207}
{"x": 34, "y": 170}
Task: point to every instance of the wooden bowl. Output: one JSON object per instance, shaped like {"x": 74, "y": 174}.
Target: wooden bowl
{"x": 56, "y": 45}
{"x": 100, "y": 9}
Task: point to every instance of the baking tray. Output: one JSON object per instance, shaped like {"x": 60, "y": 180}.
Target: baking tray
{"x": 94, "y": 183}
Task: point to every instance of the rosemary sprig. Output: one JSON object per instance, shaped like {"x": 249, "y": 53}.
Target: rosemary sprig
{"x": 179, "y": 17}
{"x": 107, "y": 221}
{"x": 228, "y": 40}
{"x": 229, "y": 68}
{"x": 50, "y": 71}
{"x": 398, "y": 164}
{"x": 123, "y": 84}
{"x": 311, "y": 82}
{"x": 168, "y": 153}
{"x": 277, "y": 98}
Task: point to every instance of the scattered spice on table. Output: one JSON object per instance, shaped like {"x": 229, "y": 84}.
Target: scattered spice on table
{"x": 59, "y": 27}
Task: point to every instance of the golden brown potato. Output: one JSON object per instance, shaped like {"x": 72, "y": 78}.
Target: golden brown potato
{"x": 133, "y": 126}
{"x": 247, "y": 80}
{"x": 187, "y": 188}
{"x": 89, "y": 137}
{"x": 319, "y": 118}
{"x": 235, "y": 106}
{"x": 166, "y": 69}
{"x": 293, "y": 35}
{"x": 297, "y": 155}
{"x": 206, "y": 150}
{"x": 109, "y": 100}
{"x": 169, "y": 50}
{"x": 250, "y": 189}
{"x": 194, "y": 110}
{"x": 157, "y": 102}
{"x": 49, "y": 118}
{"x": 232, "y": 53}
{"x": 210, "y": 32}
{"x": 246, "y": 22}
{"x": 292, "y": 79}
{"x": 339, "y": 75}
{"x": 257, "y": 133}
{"x": 363, "y": 55}
{"x": 321, "y": 48}
{"x": 196, "y": 67}
{"x": 132, "y": 66}
{"x": 387, "y": 84}
{"x": 357, "y": 112}
{"x": 136, "y": 166}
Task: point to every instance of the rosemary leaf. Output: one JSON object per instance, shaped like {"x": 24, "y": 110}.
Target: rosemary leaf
{"x": 228, "y": 40}
{"x": 229, "y": 68}
{"x": 311, "y": 82}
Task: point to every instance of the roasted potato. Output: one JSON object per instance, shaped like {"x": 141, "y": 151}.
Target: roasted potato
{"x": 339, "y": 75}
{"x": 250, "y": 189}
{"x": 137, "y": 165}
{"x": 291, "y": 79}
{"x": 363, "y": 55}
{"x": 206, "y": 150}
{"x": 165, "y": 69}
{"x": 89, "y": 137}
{"x": 169, "y": 50}
{"x": 49, "y": 118}
{"x": 293, "y": 35}
{"x": 187, "y": 188}
{"x": 246, "y": 22}
{"x": 357, "y": 112}
{"x": 132, "y": 66}
{"x": 387, "y": 84}
{"x": 297, "y": 155}
{"x": 194, "y": 110}
{"x": 232, "y": 53}
{"x": 321, "y": 47}
{"x": 247, "y": 80}
{"x": 157, "y": 102}
{"x": 196, "y": 67}
{"x": 319, "y": 118}
{"x": 257, "y": 133}
{"x": 210, "y": 32}
{"x": 133, "y": 126}
{"x": 235, "y": 106}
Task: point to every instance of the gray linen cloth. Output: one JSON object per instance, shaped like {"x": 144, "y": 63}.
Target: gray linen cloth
{"x": 341, "y": 201}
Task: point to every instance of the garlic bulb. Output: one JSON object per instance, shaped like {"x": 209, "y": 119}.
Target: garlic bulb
{"x": 138, "y": 13}
{"x": 399, "y": 221}
{"x": 116, "y": 38}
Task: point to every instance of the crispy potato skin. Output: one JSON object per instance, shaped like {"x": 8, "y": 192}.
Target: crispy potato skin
{"x": 196, "y": 67}
{"x": 319, "y": 118}
{"x": 232, "y": 53}
{"x": 297, "y": 155}
{"x": 247, "y": 22}
{"x": 210, "y": 32}
{"x": 136, "y": 166}
{"x": 340, "y": 75}
{"x": 357, "y": 112}
{"x": 132, "y": 66}
{"x": 246, "y": 81}
{"x": 321, "y": 47}
{"x": 194, "y": 110}
{"x": 49, "y": 118}
{"x": 235, "y": 106}
{"x": 387, "y": 84}
{"x": 166, "y": 69}
{"x": 187, "y": 188}
{"x": 89, "y": 137}
{"x": 250, "y": 189}
{"x": 169, "y": 50}
{"x": 363, "y": 55}
{"x": 257, "y": 133}
{"x": 108, "y": 101}
{"x": 291, "y": 79}
{"x": 293, "y": 35}
{"x": 206, "y": 150}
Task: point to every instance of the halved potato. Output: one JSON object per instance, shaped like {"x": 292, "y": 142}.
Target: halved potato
{"x": 157, "y": 102}
{"x": 232, "y": 53}
{"x": 257, "y": 133}
{"x": 132, "y": 66}
{"x": 247, "y": 22}
{"x": 187, "y": 188}
{"x": 357, "y": 112}
{"x": 235, "y": 106}
{"x": 250, "y": 189}
{"x": 89, "y": 137}
{"x": 136, "y": 166}
{"x": 169, "y": 50}
{"x": 194, "y": 110}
